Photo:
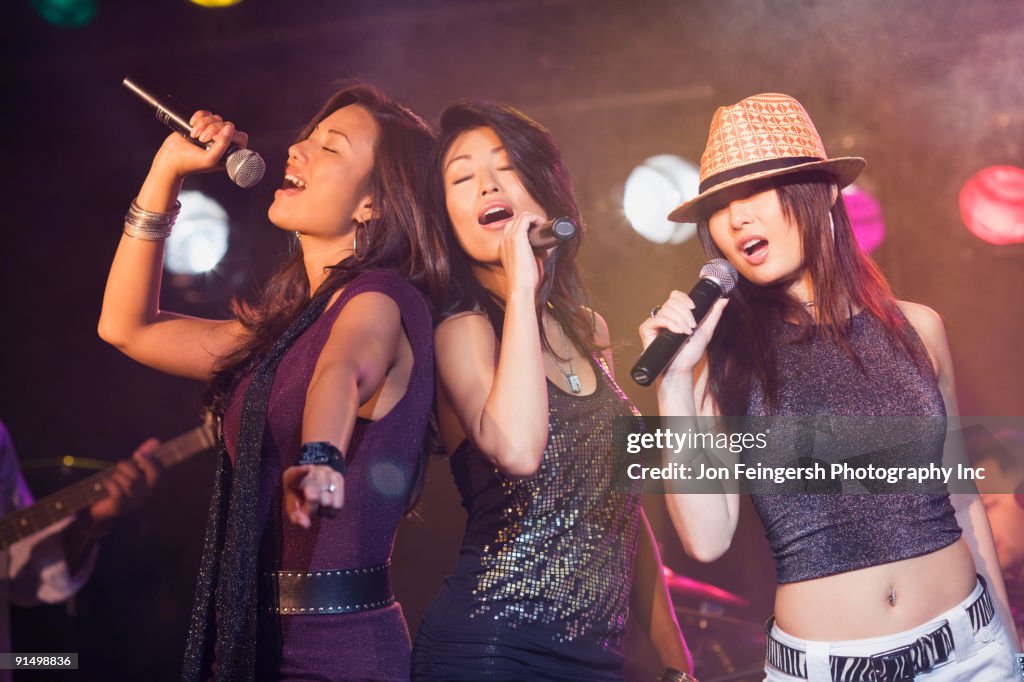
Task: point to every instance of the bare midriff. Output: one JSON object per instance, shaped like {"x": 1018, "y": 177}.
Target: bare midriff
{"x": 878, "y": 600}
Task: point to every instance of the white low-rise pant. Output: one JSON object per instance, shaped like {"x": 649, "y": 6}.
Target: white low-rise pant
{"x": 983, "y": 656}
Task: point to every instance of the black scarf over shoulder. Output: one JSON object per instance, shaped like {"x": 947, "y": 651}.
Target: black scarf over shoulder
{"x": 227, "y": 573}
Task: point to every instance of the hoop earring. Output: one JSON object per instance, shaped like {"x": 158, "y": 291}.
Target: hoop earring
{"x": 832, "y": 227}
{"x": 356, "y": 241}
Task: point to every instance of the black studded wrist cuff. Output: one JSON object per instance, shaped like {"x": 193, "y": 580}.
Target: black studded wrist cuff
{"x": 322, "y": 452}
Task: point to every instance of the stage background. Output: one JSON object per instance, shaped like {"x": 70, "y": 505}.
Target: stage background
{"x": 927, "y": 91}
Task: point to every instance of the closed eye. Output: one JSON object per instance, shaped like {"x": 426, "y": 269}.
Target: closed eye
{"x": 461, "y": 180}
{"x": 328, "y": 149}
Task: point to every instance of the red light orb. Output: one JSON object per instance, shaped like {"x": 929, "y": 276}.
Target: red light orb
{"x": 992, "y": 204}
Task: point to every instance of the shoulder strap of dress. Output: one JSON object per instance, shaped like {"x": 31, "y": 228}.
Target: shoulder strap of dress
{"x": 612, "y": 384}
{"x": 603, "y": 364}
{"x": 411, "y": 303}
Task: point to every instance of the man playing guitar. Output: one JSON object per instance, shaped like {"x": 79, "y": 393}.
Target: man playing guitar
{"x": 54, "y": 561}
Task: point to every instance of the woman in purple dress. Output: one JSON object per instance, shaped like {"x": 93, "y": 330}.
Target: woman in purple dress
{"x": 325, "y": 388}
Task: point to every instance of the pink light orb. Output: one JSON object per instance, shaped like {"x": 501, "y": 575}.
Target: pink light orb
{"x": 865, "y": 217}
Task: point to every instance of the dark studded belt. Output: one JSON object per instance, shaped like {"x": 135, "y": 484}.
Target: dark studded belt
{"x": 314, "y": 593}
{"x": 928, "y": 651}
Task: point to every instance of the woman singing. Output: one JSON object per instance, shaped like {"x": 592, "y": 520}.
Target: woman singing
{"x": 870, "y": 587}
{"x": 545, "y": 576}
{"x": 325, "y": 388}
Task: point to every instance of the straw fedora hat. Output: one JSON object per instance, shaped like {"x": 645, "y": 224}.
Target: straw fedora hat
{"x": 761, "y": 137}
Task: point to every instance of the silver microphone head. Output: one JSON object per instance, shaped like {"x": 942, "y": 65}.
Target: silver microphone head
{"x": 245, "y": 167}
{"x": 721, "y": 272}
{"x": 564, "y": 228}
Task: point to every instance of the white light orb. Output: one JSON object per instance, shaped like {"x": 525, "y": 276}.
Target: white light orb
{"x": 653, "y": 190}
{"x": 200, "y": 236}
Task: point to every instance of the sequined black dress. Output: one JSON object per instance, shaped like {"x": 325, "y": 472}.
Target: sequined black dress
{"x": 541, "y": 588}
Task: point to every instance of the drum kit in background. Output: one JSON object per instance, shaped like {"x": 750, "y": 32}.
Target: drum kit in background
{"x": 725, "y": 637}
{"x": 725, "y": 647}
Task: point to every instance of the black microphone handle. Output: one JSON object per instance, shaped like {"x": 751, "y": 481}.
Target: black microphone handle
{"x": 171, "y": 113}
{"x": 659, "y": 354}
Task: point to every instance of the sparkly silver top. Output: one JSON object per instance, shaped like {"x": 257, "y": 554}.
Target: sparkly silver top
{"x": 557, "y": 548}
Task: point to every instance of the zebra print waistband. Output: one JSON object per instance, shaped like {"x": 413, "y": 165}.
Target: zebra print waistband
{"x": 903, "y": 663}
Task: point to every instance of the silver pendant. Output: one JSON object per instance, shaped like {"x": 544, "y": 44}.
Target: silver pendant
{"x": 574, "y": 382}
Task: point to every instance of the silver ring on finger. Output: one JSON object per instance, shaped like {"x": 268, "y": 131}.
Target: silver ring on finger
{"x": 655, "y": 310}
{"x": 331, "y": 488}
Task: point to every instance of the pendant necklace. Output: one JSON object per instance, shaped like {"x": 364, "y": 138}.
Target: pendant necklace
{"x": 571, "y": 378}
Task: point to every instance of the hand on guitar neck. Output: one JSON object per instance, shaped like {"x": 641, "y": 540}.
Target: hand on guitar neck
{"x": 127, "y": 485}
{"x": 102, "y": 497}
{"x": 124, "y": 488}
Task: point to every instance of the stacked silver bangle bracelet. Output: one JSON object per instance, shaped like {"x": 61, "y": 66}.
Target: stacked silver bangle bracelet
{"x": 150, "y": 225}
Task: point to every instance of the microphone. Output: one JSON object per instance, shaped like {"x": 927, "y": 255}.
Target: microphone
{"x": 552, "y": 232}
{"x": 245, "y": 167}
{"x": 717, "y": 279}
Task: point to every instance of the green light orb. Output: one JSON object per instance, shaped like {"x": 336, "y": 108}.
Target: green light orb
{"x": 66, "y": 13}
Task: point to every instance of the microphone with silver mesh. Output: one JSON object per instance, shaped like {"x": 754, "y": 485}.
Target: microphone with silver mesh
{"x": 245, "y": 167}
{"x": 717, "y": 279}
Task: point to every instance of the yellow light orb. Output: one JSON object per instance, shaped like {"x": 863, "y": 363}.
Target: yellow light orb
{"x": 215, "y": 3}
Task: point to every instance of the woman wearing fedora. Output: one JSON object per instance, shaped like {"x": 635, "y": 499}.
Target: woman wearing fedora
{"x": 880, "y": 587}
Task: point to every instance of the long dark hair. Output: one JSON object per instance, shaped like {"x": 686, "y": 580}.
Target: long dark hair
{"x": 535, "y": 156}
{"x": 401, "y": 235}
{"x": 843, "y": 276}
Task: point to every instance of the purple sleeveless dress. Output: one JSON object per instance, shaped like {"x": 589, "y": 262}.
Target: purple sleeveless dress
{"x": 383, "y": 459}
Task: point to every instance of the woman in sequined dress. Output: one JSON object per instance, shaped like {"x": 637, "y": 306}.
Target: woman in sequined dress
{"x": 888, "y": 586}
{"x": 325, "y": 387}
{"x": 546, "y": 574}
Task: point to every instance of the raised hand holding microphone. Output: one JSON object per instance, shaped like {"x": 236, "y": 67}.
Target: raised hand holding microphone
{"x": 684, "y": 319}
{"x": 209, "y": 138}
{"x": 244, "y": 166}
{"x": 520, "y": 259}
{"x": 131, "y": 297}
